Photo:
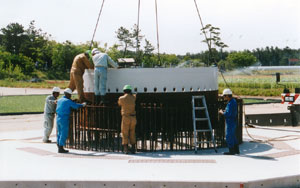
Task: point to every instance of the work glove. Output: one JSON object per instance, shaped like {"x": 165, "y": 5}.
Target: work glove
{"x": 84, "y": 104}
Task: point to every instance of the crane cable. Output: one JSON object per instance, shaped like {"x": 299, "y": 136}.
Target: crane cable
{"x": 138, "y": 30}
{"x": 100, "y": 12}
{"x": 202, "y": 25}
{"x": 157, "y": 34}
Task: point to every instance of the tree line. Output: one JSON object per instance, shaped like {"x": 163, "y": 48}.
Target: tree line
{"x": 30, "y": 52}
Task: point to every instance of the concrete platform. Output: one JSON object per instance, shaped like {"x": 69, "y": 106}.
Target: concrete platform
{"x": 25, "y": 162}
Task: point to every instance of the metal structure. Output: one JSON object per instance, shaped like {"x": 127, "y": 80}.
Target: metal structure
{"x": 164, "y": 123}
{"x": 201, "y": 121}
{"x": 163, "y": 110}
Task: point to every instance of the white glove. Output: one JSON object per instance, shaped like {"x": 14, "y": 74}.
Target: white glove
{"x": 84, "y": 104}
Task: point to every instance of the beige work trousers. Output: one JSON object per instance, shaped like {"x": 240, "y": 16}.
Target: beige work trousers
{"x": 128, "y": 129}
{"x": 76, "y": 82}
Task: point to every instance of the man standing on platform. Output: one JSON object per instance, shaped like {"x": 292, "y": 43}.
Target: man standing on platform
{"x": 80, "y": 63}
{"x": 127, "y": 103}
{"x": 230, "y": 114}
{"x": 63, "y": 110}
{"x": 49, "y": 113}
{"x": 101, "y": 62}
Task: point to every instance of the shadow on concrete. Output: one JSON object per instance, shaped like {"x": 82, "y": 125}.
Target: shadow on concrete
{"x": 246, "y": 149}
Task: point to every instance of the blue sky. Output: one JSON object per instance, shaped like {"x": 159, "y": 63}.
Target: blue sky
{"x": 245, "y": 24}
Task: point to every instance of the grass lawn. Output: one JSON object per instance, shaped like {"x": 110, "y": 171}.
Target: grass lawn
{"x": 32, "y": 103}
{"x": 35, "y": 103}
{"x": 24, "y": 103}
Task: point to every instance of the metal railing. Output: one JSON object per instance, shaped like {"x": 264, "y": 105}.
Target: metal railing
{"x": 160, "y": 126}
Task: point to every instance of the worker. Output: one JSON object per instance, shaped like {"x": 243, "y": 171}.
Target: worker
{"x": 63, "y": 110}
{"x": 80, "y": 63}
{"x": 127, "y": 103}
{"x": 101, "y": 62}
{"x": 49, "y": 113}
{"x": 230, "y": 115}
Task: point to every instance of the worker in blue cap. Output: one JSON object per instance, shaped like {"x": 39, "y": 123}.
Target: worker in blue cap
{"x": 230, "y": 115}
{"x": 63, "y": 110}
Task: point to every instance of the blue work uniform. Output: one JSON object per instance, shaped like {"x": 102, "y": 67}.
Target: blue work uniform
{"x": 101, "y": 62}
{"x": 63, "y": 111}
{"x": 230, "y": 119}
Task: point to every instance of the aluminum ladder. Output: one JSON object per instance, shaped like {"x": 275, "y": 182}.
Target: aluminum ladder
{"x": 205, "y": 119}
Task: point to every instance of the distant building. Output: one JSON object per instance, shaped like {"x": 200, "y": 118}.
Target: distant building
{"x": 294, "y": 61}
{"x": 126, "y": 62}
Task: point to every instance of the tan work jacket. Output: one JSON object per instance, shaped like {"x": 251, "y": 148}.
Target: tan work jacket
{"x": 80, "y": 63}
{"x": 127, "y": 103}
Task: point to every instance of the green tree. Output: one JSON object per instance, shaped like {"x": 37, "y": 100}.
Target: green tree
{"x": 148, "y": 53}
{"x": 213, "y": 41}
{"x": 12, "y": 37}
{"x": 124, "y": 37}
{"x": 241, "y": 59}
{"x": 62, "y": 58}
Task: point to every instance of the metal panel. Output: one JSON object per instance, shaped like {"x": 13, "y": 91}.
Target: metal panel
{"x": 269, "y": 119}
{"x": 157, "y": 79}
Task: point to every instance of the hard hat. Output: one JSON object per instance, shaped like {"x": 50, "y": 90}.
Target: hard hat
{"x": 127, "y": 87}
{"x": 227, "y": 92}
{"x": 95, "y": 51}
{"x": 88, "y": 52}
{"x": 68, "y": 90}
{"x": 56, "y": 89}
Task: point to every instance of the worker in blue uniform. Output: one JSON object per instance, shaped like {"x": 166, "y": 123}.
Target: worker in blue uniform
{"x": 230, "y": 115}
{"x": 63, "y": 110}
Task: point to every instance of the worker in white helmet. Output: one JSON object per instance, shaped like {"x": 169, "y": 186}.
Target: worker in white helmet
{"x": 101, "y": 63}
{"x": 230, "y": 114}
{"x": 127, "y": 103}
{"x": 49, "y": 113}
{"x": 63, "y": 110}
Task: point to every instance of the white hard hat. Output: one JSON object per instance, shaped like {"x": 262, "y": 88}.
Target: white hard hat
{"x": 56, "y": 89}
{"x": 227, "y": 92}
{"x": 68, "y": 90}
{"x": 95, "y": 51}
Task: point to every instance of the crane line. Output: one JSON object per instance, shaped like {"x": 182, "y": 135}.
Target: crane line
{"x": 100, "y": 12}
{"x": 137, "y": 32}
{"x": 157, "y": 35}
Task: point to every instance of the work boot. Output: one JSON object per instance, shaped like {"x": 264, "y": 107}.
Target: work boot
{"x": 96, "y": 101}
{"x": 103, "y": 100}
{"x": 62, "y": 150}
{"x": 236, "y": 149}
{"x": 231, "y": 152}
{"x": 47, "y": 141}
{"x": 125, "y": 149}
{"x": 133, "y": 149}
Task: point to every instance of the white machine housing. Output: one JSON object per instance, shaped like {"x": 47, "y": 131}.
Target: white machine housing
{"x": 157, "y": 79}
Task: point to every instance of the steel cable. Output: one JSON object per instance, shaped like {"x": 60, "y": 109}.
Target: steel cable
{"x": 100, "y": 12}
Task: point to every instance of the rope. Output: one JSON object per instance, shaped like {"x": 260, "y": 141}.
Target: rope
{"x": 157, "y": 35}
{"x": 97, "y": 24}
{"x": 202, "y": 25}
{"x": 138, "y": 28}
{"x": 275, "y": 139}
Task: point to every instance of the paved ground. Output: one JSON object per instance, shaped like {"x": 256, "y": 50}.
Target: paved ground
{"x": 27, "y": 162}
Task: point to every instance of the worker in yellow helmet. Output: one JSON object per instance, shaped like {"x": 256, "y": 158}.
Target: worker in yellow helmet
{"x": 127, "y": 103}
{"x": 80, "y": 63}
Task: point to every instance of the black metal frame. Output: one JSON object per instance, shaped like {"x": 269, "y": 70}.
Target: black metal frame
{"x": 164, "y": 123}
